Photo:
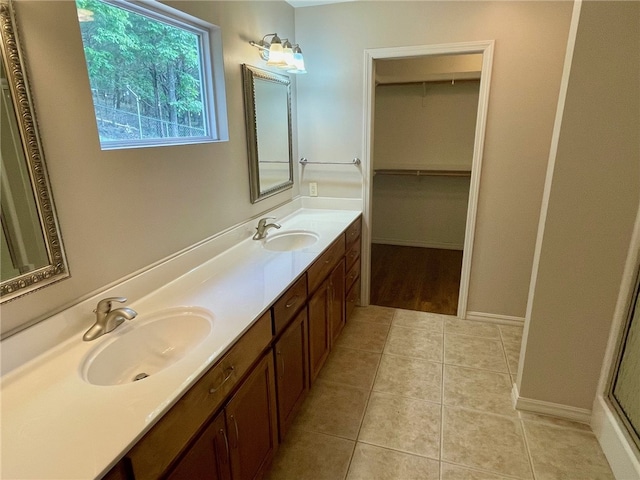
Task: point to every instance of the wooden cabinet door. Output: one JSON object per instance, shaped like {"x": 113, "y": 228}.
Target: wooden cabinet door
{"x": 292, "y": 370}
{"x": 251, "y": 423}
{"x": 121, "y": 471}
{"x": 319, "y": 329}
{"x": 352, "y": 299}
{"x": 208, "y": 457}
{"x": 337, "y": 300}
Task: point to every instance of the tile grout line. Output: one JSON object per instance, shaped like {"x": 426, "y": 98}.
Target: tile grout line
{"x": 520, "y": 420}
{"x": 484, "y": 470}
{"x": 442, "y": 380}
{"x": 505, "y": 356}
{"x": 366, "y": 405}
{"x": 528, "y": 449}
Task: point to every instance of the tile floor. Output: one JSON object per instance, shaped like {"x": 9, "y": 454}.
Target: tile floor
{"x": 410, "y": 395}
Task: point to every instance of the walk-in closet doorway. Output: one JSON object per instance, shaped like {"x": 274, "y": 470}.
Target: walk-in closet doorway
{"x": 425, "y": 121}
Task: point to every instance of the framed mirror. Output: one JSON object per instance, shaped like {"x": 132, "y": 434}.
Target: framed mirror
{"x": 267, "y": 100}
{"x": 32, "y": 255}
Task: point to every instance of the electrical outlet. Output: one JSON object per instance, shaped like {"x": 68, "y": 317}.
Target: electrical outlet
{"x": 313, "y": 189}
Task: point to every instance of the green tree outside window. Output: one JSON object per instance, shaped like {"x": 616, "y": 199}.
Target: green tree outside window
{"x": 146, "y": 75}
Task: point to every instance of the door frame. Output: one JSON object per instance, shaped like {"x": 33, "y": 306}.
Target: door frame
{"x": 370, "y": 55}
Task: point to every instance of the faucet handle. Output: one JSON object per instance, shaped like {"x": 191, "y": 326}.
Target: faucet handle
{"x": 263, "y": 221}
{"x": 104, "y": 305}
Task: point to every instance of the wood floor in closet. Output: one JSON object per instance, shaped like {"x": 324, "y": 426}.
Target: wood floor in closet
{"x": 415, "y": 278}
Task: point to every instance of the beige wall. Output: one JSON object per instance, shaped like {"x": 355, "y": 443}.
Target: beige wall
{"x": 121, "y": 210}
{"x": 420, "y": 211}
{"x": 592, "y": 206}
{"x": 416, "y": 127}
{"x": 531, "y": 40}
{"x": 425, "y": 126}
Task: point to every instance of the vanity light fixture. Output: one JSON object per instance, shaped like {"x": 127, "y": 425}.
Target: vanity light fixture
{"x": 280, "y": 53}
{"x": 287, "y": 53}
{"x": 298, "y": 61}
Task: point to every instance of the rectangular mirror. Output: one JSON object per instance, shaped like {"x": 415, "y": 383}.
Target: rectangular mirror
{"x": 267, "y": 98}
{"x": 31, "y": 248}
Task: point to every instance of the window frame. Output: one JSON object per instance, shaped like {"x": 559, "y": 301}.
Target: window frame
{"x": 212, "y": 87}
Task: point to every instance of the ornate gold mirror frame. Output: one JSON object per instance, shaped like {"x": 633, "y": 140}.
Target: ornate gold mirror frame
{"x": 54, "y": 267}
{"x": 267, "y": 99}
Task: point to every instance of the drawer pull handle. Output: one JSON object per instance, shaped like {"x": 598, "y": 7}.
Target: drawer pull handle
{"x": 227, "y": 376}
{"x": 226, "y": 443}
{"x": 292, "y": 301}
{"x": 235, "y": 423}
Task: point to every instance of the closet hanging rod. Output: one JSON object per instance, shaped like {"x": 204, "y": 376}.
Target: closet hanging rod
{"x": 422, "y": 82}
{"x": 355, "y": 161}
{"x": 424, "y": 173}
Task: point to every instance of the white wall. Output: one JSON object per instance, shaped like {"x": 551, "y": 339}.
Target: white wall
{"x": 592, "y": 206}
{"x": 530, "y": 43}
{"x": 122, "y": 210}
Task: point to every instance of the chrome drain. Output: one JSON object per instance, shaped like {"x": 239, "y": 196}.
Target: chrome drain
{"x": 140, "y": 376}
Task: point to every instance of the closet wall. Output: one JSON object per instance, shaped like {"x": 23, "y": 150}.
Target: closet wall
{"x": 423, "y": 150}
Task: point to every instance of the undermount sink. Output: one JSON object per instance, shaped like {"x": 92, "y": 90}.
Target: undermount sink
{"x": 290, "y": 240}
{"x": 146, "y": 345}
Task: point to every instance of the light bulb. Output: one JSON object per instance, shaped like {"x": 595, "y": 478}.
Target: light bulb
{"x": 276, "y": 53}
{"x": 298, "y": 61}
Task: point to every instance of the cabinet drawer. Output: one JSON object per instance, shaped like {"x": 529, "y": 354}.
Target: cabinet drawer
{"x": 289, "y": 304}
{"x": 152, "y": 455}
{"x": 353, "y": 298}
{"x": 319, "y": 270}
{"x": 352, "y": 275}
{"x": 353, "y": 253}
{"x": 353, "y": 231}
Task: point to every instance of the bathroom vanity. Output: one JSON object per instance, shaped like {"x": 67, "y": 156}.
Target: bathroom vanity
{"x": 221, "y": 409}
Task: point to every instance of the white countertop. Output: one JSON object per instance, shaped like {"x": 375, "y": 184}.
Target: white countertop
{"x": 55, "y": 425}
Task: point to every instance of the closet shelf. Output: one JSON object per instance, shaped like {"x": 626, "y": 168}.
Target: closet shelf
{"x": 425, "y": 173}
{"x": 355, "y": 161}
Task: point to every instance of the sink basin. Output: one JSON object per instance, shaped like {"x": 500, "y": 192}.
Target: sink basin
{"x": 290, "y": 240}
{"x": 146, "y": 345}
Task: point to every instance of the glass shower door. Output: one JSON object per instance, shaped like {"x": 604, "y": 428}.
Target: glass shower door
{"x": 625, "y": 386}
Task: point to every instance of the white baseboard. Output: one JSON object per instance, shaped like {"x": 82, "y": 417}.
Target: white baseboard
{"x": 494, "y": 318}
{"x": 417, "y": 243}
{"x": 566, "y": 412}
{"x": 623, "y": 456}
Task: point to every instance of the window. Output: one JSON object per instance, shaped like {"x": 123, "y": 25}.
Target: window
{"x": 156, "y": 74}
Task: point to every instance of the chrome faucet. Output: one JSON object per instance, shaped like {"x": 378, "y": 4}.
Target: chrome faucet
{"x": 107, "y": 319}
{"x": 263, "y": 226}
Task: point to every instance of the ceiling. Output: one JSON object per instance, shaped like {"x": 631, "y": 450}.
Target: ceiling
{"x": 312, "y": 3}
